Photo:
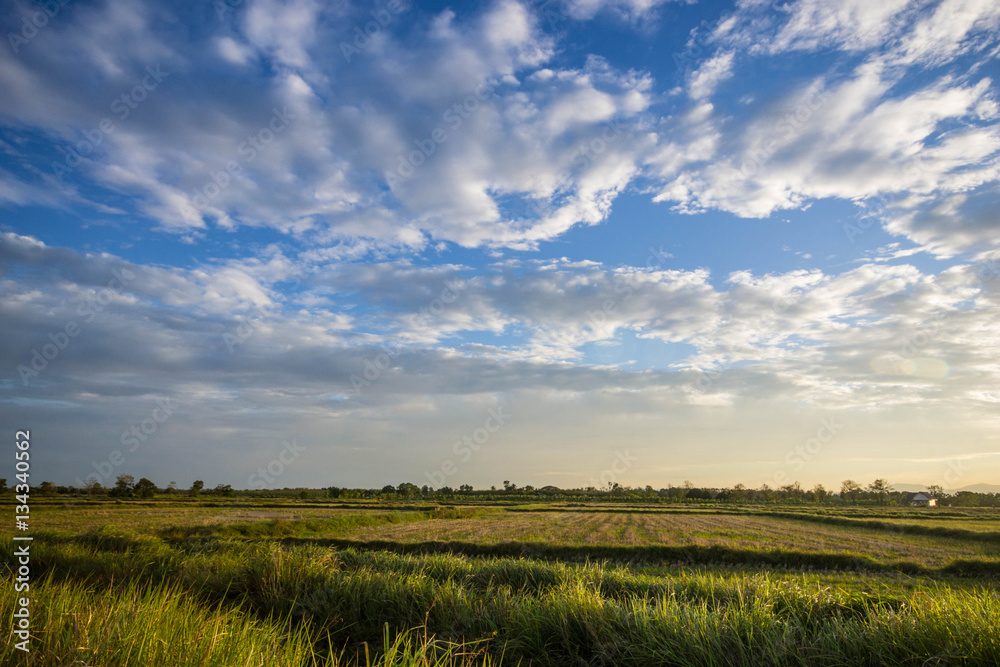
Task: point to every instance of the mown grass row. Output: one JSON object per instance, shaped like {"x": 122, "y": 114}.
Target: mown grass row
{"x": 334, "y": 532}
{"x": 327, "y": 525}
{"x": 679, "y": 555}
{"x": 899, "y": 528}
{"x": 310, "y": 604}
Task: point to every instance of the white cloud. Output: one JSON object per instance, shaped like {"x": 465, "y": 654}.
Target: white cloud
{"x": 352, "y": 124}
{"x": 631, "y": 9}
{"x": 878, "y": 339}
{"x": 955, "y": 27}
{"x": 233, "y": 51}
{"x": 874, "y": 131}
{"x": 851, "y": 25}
{"x": 707, "y": 78}
{"x": 285, "y": 29}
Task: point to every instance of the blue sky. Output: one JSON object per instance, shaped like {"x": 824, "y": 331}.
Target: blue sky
{"x": 726, "y": 242}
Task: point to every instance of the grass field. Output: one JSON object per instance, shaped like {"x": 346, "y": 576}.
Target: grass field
{"x": 285, "y": 583}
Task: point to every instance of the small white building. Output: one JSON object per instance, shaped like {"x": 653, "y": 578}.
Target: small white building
{"x": 921, "y": 499}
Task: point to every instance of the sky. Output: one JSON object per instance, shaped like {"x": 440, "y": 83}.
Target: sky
{"x": 280, "y": 243}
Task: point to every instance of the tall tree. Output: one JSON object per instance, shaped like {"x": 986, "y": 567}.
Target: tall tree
{"x": 224, "y": 490}
{"x": 819, "y": 493}
{"x": 93, "y": 487}
{"x": 880, "y": 488}
{"x": 849, "y": 489}
{"x": 145, "y": 488}
{"x": 124, "y": 485}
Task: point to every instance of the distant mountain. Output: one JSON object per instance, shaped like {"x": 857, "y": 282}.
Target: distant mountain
{"x": 980, "y": 488}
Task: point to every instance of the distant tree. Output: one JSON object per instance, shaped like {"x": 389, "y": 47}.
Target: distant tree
{"x": 678, "y": 492}
{"x": 819, "y": 493}
{"x": 224, "y": 490}
{"x": 3, "y": 484}
{"x": 124, "y": 485}
{"x": 407, "y": 489}
{"x": 793, "y": 491}
{"x": 465, "y": 488}
{"x": 935, "y": 491}
{"x": 145, "y": 488}
{"x": 849, "y": 489}
{"x": 196, "y": 487}
{"x": 335, "y": 491}
{"x": 388, "y": 488}
{"x": 171, "y": 488}
{"x": 880, "y": 488}
{"x": 304, "y": 493}
{"x": 93, "y": 488}
{"x": 47, "y": 488}
{"x": 966, "y": 499}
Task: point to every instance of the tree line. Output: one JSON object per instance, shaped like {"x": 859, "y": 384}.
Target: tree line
{"x": 126, "y": 486}
{"x": 878, "y": 492}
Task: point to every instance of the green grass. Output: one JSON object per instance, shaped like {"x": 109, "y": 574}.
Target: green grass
{"x": 307, "y": 591}
{"x": 142, "y": 624}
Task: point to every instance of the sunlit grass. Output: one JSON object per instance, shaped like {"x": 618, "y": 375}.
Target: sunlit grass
{"x": 274, "y": 591}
